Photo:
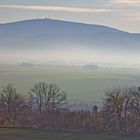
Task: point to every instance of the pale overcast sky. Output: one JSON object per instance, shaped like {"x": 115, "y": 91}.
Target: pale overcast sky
{"x": 122, "y": 14}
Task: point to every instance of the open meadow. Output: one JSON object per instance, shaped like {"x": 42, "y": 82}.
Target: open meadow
{"x": 38, "y": 134}
{"x": 79, "y": 84}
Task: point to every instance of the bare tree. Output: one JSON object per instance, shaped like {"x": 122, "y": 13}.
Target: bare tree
{"x": 135, "y": 103}
{"x": 12, "y": 104}
{"x": 46, "y": 99}
{"x": 37, "y": 95}
{"x": 55, "y": 97}
{"x": 117, "y": 107}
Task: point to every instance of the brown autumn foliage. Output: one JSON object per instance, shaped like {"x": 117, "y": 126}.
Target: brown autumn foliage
{"x": 45, "y": 107}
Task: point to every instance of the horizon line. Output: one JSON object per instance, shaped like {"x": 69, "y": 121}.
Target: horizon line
{"x": 70, "y": 21}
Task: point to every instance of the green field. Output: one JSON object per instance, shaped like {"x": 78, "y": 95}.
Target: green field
{"x": 79, "y": 84}
{"x": 35, "y": 134}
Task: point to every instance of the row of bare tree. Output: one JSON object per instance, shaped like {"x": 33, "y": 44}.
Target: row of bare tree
{"x": 45, "y": 107}
{"x": 42, "y": 100}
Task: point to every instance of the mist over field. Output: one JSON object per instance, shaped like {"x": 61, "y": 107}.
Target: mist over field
{"x": 81, "y": 83}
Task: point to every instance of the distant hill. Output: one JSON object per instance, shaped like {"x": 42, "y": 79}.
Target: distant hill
{"x": 48, "y": 34}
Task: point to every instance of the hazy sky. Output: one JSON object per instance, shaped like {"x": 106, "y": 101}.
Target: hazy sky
{"x": 122, "y": 14}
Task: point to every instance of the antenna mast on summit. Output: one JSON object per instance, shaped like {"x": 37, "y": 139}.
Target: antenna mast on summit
{"x": 49, "y": 17}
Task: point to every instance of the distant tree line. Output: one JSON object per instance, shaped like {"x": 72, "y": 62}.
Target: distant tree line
{"x": 45, "y": 107}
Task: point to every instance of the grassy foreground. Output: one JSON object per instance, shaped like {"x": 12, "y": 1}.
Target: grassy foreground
{"x": 35, "y": 134}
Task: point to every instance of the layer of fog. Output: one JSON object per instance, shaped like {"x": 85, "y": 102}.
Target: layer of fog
{"x": 68, "y": 56}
